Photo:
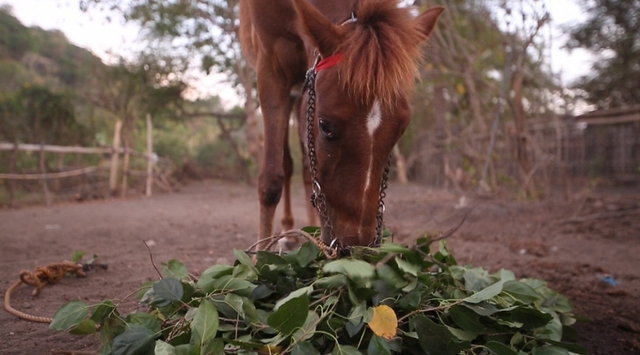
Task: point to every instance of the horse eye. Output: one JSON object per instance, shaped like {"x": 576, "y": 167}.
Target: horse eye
{"x": 325, "y": 129}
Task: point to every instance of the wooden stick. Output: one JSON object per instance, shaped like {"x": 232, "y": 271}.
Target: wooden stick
{"x": 45, "y": 186}
{"x": 70, "y": 149}
{"x": 62, "y": 174}
{"x": 113, "y": 175}
{"x": 149, "y": 155}
{"x": 12, "y": 169}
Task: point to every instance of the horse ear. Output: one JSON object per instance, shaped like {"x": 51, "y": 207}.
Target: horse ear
{"x": 427, "y": 20}
{"x": 317, "y": 28}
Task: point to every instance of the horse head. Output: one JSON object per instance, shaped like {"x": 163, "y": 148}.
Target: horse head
{"x": 357, "y": 108}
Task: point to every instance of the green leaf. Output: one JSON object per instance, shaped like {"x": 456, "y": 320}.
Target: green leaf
{"x": 330, "y": 282}
{"x": 167, "y": 291}
{"x": 553, "y": 329}
{"x": 462, "y": 335}
{"x": 353, "y": 269}
{"x": 213, "y": 347}
{"x": 295, "y": 294}
{"x": 308, "y": 328}
{"x": 69, "y": 315}
{"x": 304, "y": 348}
{"x": 236, "y": 302}
{"x": 550, "y": 350}
{"x": 388, "y": 274}
{"x": 389, "y": 247}
{"x": 499, "y": 348}
{"x": 231, "y": 284}
{"x": 307, "y": 253}
{"x": 142, "y": 291}
{"x": 260, "y": 292}
{"x": 205, "y": 324}
{"x": 433, "y": 338}
{"x": 205, "y": 283}
{"x": 530, "y": 318}
{"x": 290, "y": 315}
{"x": 103, "y": 310}
{"x": 410, "y": 301}
{"x": 137, "y": 340}
{"x": 269, "y": 258}
{"x": 482, "y": 308}
{"x": 521, "y": 292}
{"x": 573, "y": 348}
{"x": 163, "y": 348}
{"x": 486, "y": 294}
{"x": 345, "y": 350}
{"x": 249, "y": 309}
{"x": 175, "y": 269}
{"x": 407, "y": 267}
{"x": 144, "y": 319}
{"x": 312, "y": 230}
{"x": 86, "y": 327}
{"x": 77, "y": 256}
{"x": 244, "y": 259}
{"x": 467, "y": 319}
{"x": 354, "y": 327}
{"x": 378, "y": 346}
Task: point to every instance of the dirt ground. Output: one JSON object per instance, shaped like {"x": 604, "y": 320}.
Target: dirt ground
{"x": 588, "y": 249}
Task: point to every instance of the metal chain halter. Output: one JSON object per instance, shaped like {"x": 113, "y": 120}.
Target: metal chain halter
{"x": 318, "y": 198}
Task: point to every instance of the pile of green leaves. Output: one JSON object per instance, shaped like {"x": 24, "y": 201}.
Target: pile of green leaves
{"x": 303, "y": 304}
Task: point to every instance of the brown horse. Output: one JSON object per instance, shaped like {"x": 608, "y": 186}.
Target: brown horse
{"x": 362, "y": 55}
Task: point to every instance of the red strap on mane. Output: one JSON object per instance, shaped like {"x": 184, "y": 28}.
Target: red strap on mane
{"x": 328, "y": 62}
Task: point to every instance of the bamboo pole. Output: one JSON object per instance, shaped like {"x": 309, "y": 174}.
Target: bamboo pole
{"x": 113, "y": 174}
{"x": 150, "y": 161}
{"x": 45, "y": 186}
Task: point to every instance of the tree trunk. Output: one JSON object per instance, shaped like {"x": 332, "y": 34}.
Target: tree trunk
{"x": 401, "y": 165}
{"x": 520, "y": 139}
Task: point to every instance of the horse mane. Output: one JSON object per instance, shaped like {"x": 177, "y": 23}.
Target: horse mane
{"x": 381, "y": 53}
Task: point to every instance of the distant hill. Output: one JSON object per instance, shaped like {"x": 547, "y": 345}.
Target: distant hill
{"x": 33, "y": 56}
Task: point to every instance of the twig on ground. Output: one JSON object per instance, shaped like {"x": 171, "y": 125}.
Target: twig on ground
{"x": 152, "y": 262}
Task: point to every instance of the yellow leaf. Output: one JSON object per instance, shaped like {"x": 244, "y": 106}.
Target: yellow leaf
{"x": 384, "y": 322}
{"x": 461, "y": 89}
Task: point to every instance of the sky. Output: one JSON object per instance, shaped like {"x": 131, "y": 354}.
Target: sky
{"x": 92, "y": 30}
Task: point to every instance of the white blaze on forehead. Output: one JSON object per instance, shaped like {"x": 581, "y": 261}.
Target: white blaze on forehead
{"x": 374, "y": 118}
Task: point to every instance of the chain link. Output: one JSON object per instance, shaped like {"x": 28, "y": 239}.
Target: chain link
{"x": 318, "y": 199}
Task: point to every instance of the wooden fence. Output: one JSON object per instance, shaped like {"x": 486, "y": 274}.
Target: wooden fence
{"x": 602, "y": 145}
{"x": 152, "y": 172}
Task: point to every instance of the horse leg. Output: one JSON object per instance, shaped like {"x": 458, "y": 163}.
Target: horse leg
{"x": 287, "y": 217}
{"x": 274, "y": 96}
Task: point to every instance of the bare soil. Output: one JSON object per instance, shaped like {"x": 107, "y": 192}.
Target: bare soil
{"x": 204, "y": 221}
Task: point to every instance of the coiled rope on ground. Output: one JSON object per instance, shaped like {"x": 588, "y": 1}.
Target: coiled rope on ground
{"x": 40, "y": 277}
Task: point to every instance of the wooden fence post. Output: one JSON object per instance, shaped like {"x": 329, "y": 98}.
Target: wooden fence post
{"x": 125, "y": 171}
{"x": 43, "y": 170}
{"x": 150, "y": 161}
{"x": 12, "y": 170}
{"x": 113, "y": 174}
